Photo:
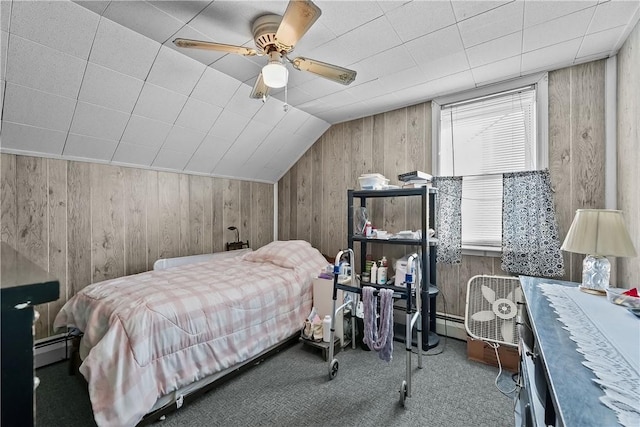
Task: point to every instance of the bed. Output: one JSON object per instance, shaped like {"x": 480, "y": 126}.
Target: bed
{"x": 149, "y": 338}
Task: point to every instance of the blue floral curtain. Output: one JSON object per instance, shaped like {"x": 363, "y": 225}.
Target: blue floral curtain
{"x": 448, "y": 219}
{"x": 530, "y": 243}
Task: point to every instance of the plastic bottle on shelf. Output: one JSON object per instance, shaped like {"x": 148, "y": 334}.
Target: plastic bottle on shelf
{"x": 382, "y": 275}
{"x": 383, "y": 261}
{"x": 374, "y": 273}
{"x": 326, "y": 328}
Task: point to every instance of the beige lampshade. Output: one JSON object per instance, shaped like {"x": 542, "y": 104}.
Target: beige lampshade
{"x": 599, "y": 232}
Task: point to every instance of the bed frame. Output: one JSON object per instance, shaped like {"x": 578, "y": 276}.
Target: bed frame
{"x": 172, "y": 406}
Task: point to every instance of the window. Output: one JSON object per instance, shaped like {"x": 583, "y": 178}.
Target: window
{"x": 481, "y": 137}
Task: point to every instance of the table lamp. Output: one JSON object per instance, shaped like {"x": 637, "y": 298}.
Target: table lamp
{"x": 598, "y": 233}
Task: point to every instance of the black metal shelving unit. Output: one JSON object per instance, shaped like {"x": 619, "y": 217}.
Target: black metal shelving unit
{"x": 427, "y": 247}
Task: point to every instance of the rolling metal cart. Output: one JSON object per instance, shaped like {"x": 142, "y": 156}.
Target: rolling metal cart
{"x": 413, "y": 317}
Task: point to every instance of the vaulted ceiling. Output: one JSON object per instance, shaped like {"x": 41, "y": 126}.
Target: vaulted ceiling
{"x": 102, "y": 80}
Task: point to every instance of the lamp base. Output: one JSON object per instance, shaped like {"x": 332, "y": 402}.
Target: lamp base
{"x": 596, "y": 271}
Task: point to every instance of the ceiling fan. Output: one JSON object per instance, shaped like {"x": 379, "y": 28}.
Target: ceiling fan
{"x": 276, "y": 36}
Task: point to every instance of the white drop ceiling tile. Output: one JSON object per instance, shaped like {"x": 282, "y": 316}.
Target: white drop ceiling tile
{"x": 229, "y": 125}
{"x": 271, "y": 112}
{"x": 556, "y": 31}
{"x": 183, "y": 140}
{"x": 2, "y": 86}
{"x": 5, "y": 14}
{"x": 369, "y": 39}
{"x": 466, "y": 9}
{"x": 96, "y": 6}
{"x": 229, "y": 22}
{"x": 385, "y": 63}
{"x": 215, "y": 87}
{"x": 321, "y": 87}
{"x": 602, "y": 42}
{"x": 108, "y": 88}
{"x": 314, "y": 107}
{"x": 183, "y": 11}
{"x": 173, "y": 160}
{"x": 250, "y": 138}
{"x": 495, "y": 50}
{"x": 612, "y": 14}
{"x": 36, "y": 108}
{"x": 293, "y": 119}
{"x": 64, "y": 26}
{"x": 343, "y": 114}
{"x": 174, "y": 71}
{"x": 34, "y": 65}
{"x": 295, "y": 96}
{"x": 123, "y": 50}
{"x": 317, "y": 35}
{"x": 418, "y": 18}
{"x": 441, "y": 67}
{"x": 86, "y": 147}
{"x": 440, "y": 44}
{"x": 497, "y": 71}
{"x": 349, "y": 14}
{"x": 202, "y": 55}
{"x": 549, "y": 56}
{"x": 144, "y": 19}
{"x": 98, "y": 122}
{"x": 213, "y": 148}
{"x": 389, "y": 5}
{"x": 402, "y": 80}
{"x": 312, "y": 129}
{"x": 241, "y": 104}
{"x": 201, "y": 164}
{"x": 133, "y": 154}
{"x": 198, "y": 115}
{"x": 537, "y": 12}
{"x": 238, "y": 67}
{"x": 229, "y": 167}
{"x": 492, "y": 24}
{"x": 339, "y": 99}
{"x": 159, "y": 103}
{"x": 4, "y": 47}
{"x": 32, "y": 139}
{"x": 363, "y": 91}
{"x": 143, "y": 131}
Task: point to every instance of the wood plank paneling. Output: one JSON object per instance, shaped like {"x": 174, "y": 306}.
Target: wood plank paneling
{"x": 334, "y": 203}
{"x": 628, "y": 130}
{"x": 153, "y": 218}
{"x": 135, "y": 220}
{"x": 185, "y": 239}
{"x": 560, "y": 157}
{"x": 231, "y": 207}
{"x": 292, "y": 201}
{"x": 79, "y": 226}
{"x": 284, "y": 203}
{"x": 8, "y": 200}
{"x": 169, "y": 214}
{"x": 304, "y": 196}
{"x": 317, "y": 189}
{"x": 208, "y": 215}
{"x": 57, "y": 239}
{"x": 261, "y": 214}
{"x": 196, "y": 214}
{"x": 218, "y": 228}
{"x": 245, "y": 210}
{"x": 107, "y": 222}
{"x": 32, "y": 222}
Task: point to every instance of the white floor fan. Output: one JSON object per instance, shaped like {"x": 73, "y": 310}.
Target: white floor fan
{"x": 492, "y": 310}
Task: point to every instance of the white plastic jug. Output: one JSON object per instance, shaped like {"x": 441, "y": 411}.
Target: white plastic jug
{"x": 326, "y": 328}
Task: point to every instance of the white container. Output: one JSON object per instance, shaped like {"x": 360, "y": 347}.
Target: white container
{"x": 326, "y": 328}
{"x": 374, "y": 273}
{"x": 382, "y": 275}
{"x": 401, "y": 272}
{"x": 372, "y": 181}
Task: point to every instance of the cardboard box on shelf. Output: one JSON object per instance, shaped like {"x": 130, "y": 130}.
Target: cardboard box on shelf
{"x": 480, "y": 351}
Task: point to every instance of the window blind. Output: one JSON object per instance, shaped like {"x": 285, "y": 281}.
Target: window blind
{"x": 479, "y": 140}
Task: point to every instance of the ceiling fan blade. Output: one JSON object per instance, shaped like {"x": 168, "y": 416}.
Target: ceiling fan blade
{"x": 260, "y": 90}
{"x": 296, "y": 21}
{"x": 322, "y": 69}
{"x": 227, "y": 48}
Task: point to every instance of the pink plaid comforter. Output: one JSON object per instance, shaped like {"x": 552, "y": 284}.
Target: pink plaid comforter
{"x": 149, "y": 334}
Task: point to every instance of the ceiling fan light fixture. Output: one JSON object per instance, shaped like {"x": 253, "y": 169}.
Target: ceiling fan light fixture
{"x": 275, "y": 74}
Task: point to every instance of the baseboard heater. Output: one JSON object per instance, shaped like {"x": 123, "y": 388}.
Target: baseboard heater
{"x": 51, "y": 350}
{"x": 451, "y": 326}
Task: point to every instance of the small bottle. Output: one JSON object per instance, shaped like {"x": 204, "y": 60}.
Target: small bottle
{"x": 383, "y": 261}
{"x": 326, "y": 328}
{"x": 374, "y": 273}
{"x": 382, "y": 275}
{"x": 367, "y": 229}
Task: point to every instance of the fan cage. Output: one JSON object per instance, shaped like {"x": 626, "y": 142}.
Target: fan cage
{"x": 490, "y": 330}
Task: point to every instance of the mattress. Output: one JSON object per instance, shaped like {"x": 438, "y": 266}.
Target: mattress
{"x": 148, "y": 335}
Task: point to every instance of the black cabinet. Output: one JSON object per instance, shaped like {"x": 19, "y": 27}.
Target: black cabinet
{"x": 426, "y": 247}
{"x": 24, "y": 285}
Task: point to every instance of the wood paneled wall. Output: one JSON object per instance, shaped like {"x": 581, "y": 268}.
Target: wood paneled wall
{"x": 628, "y": 274}
{"x": 88, "y": 222}
{"x": 312, "y": 194}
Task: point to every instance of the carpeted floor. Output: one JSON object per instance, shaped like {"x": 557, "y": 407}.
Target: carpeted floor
{"x": 292, "y": 389}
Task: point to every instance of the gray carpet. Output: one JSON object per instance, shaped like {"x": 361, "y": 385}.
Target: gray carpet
{"x": 292, "y": 389}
